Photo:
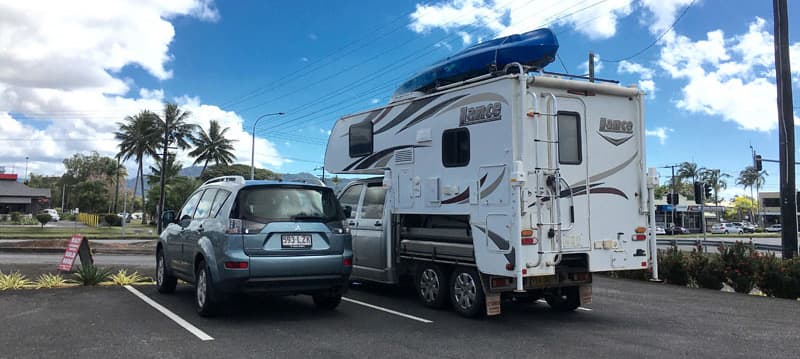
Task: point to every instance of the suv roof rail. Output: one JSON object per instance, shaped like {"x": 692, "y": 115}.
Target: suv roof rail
{"x": 234, "y": 179}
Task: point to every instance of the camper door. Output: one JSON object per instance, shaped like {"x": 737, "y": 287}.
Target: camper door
{"x": 573, "y": 159}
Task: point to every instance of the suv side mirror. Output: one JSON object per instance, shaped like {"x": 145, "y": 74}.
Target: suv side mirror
{"x": 168, "y": 216}
{"x": 348, "y": 211}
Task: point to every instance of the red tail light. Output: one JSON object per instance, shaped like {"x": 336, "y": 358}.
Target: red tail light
{"x": 644, "y": 264}
{"x": 528, "y": 241}
{"x": 347, "y": 262}
{"x": 236, "y": 265}
{"x": 639, "y": 237}
{"x": 509, "y": 266}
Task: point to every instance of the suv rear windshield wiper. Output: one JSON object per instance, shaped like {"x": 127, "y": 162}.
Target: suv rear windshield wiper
{"x": 309, "y": 218}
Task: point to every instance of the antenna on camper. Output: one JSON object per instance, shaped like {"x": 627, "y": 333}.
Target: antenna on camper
{"x": 591, "y": 66}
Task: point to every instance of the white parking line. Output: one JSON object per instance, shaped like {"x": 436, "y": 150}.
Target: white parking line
{"x": 175, "y": 318}
{"x": 387, "y": 310}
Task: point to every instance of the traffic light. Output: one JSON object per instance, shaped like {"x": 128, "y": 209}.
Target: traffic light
{"x": 707, "y": 190}
{"x": 673, "y": 198}
{"x": 698, "y": 192}
{"x": 669, "y": 198}
{"x": 757, "y": 162}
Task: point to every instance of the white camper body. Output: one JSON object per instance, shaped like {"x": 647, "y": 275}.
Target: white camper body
{"x": 535, "y": 181}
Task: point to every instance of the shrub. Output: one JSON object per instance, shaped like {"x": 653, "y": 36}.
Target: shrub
{"x": 112, "y": 219}
{"x": 672, "y": 266}
{"x": 705, "y": 269}
{"x": 48, "y": 280}
{"x": 68, "y": 217}
{"x": 88, "y": 274}
{"x": 791, "y": 286}
{"x": 43, "y": 218}
{"x": 123, "y": 278}
{"x": 12, "y": 281}
{"x": 739, "y": 267}
{"x": 16, "y": 217}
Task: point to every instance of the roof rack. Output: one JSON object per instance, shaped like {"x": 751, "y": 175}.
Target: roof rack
{"x": 234, "y": 179}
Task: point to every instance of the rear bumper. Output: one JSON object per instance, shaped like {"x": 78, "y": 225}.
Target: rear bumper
{"x": 288, "y": 275}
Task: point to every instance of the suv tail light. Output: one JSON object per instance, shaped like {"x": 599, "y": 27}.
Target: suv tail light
{"x": 238, "y": 226}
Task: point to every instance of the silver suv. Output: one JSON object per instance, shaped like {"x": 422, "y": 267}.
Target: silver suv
{"x": 269, "y": 237}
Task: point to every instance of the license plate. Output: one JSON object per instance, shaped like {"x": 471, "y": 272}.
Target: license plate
{"x": 540, "y": 281}
{"x": 296, "y": 241}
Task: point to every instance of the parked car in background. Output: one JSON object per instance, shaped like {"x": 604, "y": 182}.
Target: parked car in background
{"x": 676, "y": 230}
{"x": 726, "y": 228}
{"x": 748, "y": 227}
{"x": 270, "y": 237}
{"x": 660, "y": 230}
{"x": 126, "y": 216}
{"x": 774, "y": 228}
{"x": 53, "y": 214}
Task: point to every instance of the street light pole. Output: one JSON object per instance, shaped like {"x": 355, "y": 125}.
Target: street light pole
{"x": 253, "y": 146}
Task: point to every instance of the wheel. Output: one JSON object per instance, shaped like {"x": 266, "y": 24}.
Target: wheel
{"x": 206, "y": 306}
{"x": 466, "y": 292}
{"x": 327, "y": 301}
{"x": 165, "y": 282}
{"x": 432, "y": 287}
{"x": 564, "y": 299}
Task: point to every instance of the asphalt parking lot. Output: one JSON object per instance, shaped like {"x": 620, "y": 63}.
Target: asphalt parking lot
{"x": 627, "y": 319}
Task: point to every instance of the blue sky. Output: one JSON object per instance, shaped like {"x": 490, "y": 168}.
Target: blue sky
{"x": 68, "y": 78}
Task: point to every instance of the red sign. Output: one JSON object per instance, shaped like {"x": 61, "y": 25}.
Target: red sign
{"x": 8, "y": 176}
{"x": 68, "y": 259}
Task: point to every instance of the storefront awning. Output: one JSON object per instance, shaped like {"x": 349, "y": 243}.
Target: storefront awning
{"x": 15, "y": 200}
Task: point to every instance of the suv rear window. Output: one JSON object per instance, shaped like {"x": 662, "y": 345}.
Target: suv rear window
{"x": 266, "y": 204}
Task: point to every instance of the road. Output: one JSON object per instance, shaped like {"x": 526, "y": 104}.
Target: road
{"x": 627, "y": 319}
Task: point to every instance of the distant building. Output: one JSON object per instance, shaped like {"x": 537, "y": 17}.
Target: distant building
{"x": 686, "y": 214}
{"x": 769, "y": 207}
{"x": 17, "y": 197}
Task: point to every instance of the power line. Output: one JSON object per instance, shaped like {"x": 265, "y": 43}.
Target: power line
{"x": 657, "y": 38}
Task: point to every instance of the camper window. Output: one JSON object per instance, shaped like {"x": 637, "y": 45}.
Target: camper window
{"x": 361, "y": 139}
{"x": 455, "y": 147}
{"x": 569, "y": 138}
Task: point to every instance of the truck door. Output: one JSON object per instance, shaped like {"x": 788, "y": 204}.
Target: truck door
{"x": 369, "y": 246}
{"x": 571, "y": 130}
{"x": 351, "y": 197}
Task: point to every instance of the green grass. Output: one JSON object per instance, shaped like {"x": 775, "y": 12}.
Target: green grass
{"x": 132, "y": 230}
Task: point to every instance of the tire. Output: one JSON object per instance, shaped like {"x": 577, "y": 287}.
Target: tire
{"x": 432, "y": 285}
{"x": 564, "y": 299}
{"x": 327, "y": 301}
{"x": 165, "y": 282}
{"x": 466, "y": 292}
{"x": 203, "y": 289}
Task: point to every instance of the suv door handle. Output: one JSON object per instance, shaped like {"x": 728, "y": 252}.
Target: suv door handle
{"x": 352, "y": 223}
{"x": 378, "y": 223}
{"x": 200, "y": 229}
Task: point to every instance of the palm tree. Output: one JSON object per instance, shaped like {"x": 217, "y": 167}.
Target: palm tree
{"x": 213, "y": 146}
{"x": 689, "y": 170}
{"x": 750, "y": 177}
{"x": 179, "y": 131}
{"x": 139, "y": 137}
{"x": 716, "y": 179}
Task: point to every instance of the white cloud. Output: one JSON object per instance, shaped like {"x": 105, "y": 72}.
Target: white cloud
{"x": 664, "y": 12}
{"x": 304, "y": 59}
{"x": 646, "y": 82}
{"x": 313, "y": 36}
{"x": 374, "y": 100}
{"x": 729, "y": 77}
{"x": 466, "y": 38}
{"x": 597, "y": 20}
{"x": 59, "y": 77}
{"x": 662, "y": 133}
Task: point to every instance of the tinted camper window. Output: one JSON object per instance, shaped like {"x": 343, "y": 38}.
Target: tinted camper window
{"x": 455, "y": 147}
{"x": 361, "y": 139}
{"x": 569, "y": 138}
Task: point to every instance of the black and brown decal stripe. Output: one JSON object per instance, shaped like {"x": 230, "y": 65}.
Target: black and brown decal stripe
{"x": 375, "y": 157}
{"x": 501, "y": 244}
{"x": 406, "y": 113}
{"x": 430, "y": 112}
{"x": 463, "y": 196}
{"x": 493, "y": 186}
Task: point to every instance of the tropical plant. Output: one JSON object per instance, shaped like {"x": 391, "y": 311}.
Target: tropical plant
{"x": 123, "y": 278}
{"x": 750, "y": 177}
{"x": 88, "y": 274}
{"x": 12, "y": 281}
{"x": 672, "y": 266}
{"x": 738, "y": 265}
{"x": 174, "y": 123}
{"x": 139, "y": 137}
{"x": 213, "y": 146}
{"x": 48, "y": 280}
{"x": 716, "y": 179}
{"x": 705, "y": 269}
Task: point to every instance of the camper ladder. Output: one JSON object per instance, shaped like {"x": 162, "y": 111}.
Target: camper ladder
{"x": 548, "y": 177}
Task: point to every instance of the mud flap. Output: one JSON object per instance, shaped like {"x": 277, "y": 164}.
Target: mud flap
{"x": 585, "y": 293}
{"x": 492, "y": 304}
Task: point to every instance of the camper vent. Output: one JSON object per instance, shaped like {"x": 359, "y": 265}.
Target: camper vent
{"x": 404, "y": 156}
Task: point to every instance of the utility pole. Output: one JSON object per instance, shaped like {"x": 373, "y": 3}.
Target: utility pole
{"x": 25, "y": 180}
{"x": 785, "y": 131}
{"x": 591, "y": 66}
{"x": 160, "y": 208}
{"x": 673, "y": 192}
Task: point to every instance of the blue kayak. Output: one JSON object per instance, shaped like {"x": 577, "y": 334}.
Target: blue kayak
{"x": 535, "y": 48}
